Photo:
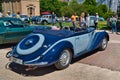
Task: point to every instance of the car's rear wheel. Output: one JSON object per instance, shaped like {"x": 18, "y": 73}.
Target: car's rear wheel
{"x": 64, "y": 59}
{"x": 103, "y": 44}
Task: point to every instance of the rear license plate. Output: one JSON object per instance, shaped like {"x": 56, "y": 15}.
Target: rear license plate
{"x": 19, "y": 61}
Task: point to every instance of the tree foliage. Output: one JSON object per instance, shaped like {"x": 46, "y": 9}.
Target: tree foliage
{"x": 67, "y": 9}
{"x": 90, "y": 2}
{"x": 0, "y": 5}
{"x": 51, "y": 6}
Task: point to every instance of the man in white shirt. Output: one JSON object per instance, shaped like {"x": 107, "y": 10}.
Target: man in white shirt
{"x": 1, "y": 14}
{"x": 8, "y": 14}
{"x": 88, "y": 20}
{"x": 96, "y": 20}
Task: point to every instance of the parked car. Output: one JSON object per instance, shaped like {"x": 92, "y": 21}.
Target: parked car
{"x": 92, "y": 18}
{"x": 24, "y": 18}
{"x": 101, "y": 19}
{"x": 58, "y": 47}
{"x": 43, "y": 19}
{"x": 12, "y": 30}
{"x": 35, "y": 19}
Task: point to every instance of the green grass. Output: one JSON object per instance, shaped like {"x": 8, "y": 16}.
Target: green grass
{"x": 101, "y": 25}
{"x": 64, "y": 24}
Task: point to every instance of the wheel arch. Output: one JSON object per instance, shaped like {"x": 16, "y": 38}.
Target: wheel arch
{"x": 44, "y": 21}
{"x": 98, "y": 39}
{"x": 62, "y": 46}
{"x": 107, "y": 36}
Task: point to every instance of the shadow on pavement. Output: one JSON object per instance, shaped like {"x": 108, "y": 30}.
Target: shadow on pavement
{"x": 40, "y": 71}
{"x": 3, "y": 46}
{"x": 36, "y": 72}
{"x": 84, "y": 56}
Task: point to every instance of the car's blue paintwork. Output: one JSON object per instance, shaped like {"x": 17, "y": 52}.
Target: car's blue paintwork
{"x": 54, "y": 43}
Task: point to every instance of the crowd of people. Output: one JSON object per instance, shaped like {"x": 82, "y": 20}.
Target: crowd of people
{"x": 84, "y": 20}
{"x": 14, "y": 15}
{"x": 112, "y": 23}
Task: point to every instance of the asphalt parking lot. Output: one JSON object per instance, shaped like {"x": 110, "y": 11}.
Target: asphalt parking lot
{"x": 96, "y": 65}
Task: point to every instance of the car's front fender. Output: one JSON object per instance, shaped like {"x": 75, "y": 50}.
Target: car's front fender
{"x": 97, "y": 39}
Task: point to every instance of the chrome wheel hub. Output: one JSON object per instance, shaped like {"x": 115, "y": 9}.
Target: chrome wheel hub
{"x": 104, "y": 43}
{"x": 65, "y": 58}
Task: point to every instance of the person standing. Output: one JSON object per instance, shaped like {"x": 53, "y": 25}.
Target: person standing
{"x": 18, "y": 15}
{"x": 113, "y": 22}
{"x": 63, "y": 18}
{"x": 96, "y": 20}
{"x": 8, "y": 14}
{"x": 1, "y": 14}
{"x": 73, "y": 17}
{"x": 88, "y": 20}
{"x": 53, "y": 18}
{"x": 83, "y": 21}
{"x": 13, "y": 15}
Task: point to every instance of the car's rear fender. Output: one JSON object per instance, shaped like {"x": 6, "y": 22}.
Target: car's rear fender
{"x": 97, "y": 39}
{"x": 53, "y": 55}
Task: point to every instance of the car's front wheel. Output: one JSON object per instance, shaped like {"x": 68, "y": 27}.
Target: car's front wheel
{"x": 64, "y": 59}
{"x": 44, "y": 22}
{"x": 103, "y": 44}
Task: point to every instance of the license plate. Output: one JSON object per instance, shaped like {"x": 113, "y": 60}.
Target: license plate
{"x": 19, "y": 61}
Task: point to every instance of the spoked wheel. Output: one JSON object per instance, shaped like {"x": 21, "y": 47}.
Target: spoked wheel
{"x": 64, "y": 59}
{"x": 103, "y": 44}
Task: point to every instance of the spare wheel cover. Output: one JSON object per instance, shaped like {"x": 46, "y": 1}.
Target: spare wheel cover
{"x": 33, "y": 48}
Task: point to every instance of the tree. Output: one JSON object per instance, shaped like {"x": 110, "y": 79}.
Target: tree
{"x": 51, "y": 5}
{"x": 103, "y": 8}
{"x": 0, "y": 5}
{"x": 91, "y": 9}
{"x": 66, "y": 11}
{"x": 90, "y": 2}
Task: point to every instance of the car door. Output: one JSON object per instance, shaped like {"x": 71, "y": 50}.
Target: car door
{"x": 2, "y": 31}
{"x": 11, "y": 34}
{"x": 82, "y": 42}
{"x": 15, "y": 31}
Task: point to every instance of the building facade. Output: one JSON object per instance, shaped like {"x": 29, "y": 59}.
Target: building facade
{"x": 26, "y": 7}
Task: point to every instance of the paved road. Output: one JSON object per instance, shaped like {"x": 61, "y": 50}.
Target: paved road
{"x": 109, "y": 58}
{"x": 102, "y": 65}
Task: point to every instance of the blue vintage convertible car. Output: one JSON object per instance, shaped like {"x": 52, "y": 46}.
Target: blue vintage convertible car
{"x": 58, "y": 47}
